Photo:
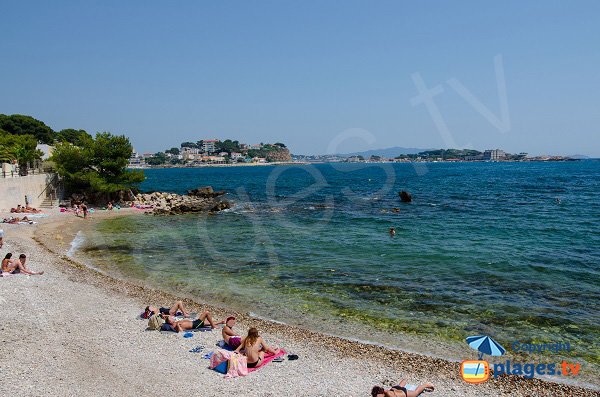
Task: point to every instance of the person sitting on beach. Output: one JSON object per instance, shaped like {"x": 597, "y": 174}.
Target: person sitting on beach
{"x": 109, "y": 206}
{"x": 18, "y": 266}
{"x": 255, "y": 348}
{"x": 231, "y": 338}
{"x": 204, "y": 320}
{"x": 6, "y": 263}
{"x": 401, "y": 390}
{"x": 169, "y": 311}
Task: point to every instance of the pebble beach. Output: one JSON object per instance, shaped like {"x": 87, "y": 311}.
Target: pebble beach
{"x": 76, "y": 331}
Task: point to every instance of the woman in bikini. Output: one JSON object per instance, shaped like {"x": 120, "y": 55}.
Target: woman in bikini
{"x": 401, "y": 390}
{"x": 7, "y": 263}
{"x": 255, "y": 348}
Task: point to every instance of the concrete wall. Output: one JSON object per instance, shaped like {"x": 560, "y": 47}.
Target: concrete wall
{"x": 13, "y": 190}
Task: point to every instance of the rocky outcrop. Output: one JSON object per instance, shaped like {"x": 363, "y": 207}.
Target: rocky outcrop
{"x": 405, "y": 196}
{"x": 196, "y": 201}
{"x": 279, "y": 155}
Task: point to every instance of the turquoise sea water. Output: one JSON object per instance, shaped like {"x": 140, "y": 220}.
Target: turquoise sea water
{"x": 505, "y": 249}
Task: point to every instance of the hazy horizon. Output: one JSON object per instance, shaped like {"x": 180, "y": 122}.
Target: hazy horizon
{"x": 317, "y": 76}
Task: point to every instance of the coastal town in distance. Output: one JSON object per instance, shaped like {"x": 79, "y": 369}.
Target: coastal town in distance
{"x": 215, "y": 152}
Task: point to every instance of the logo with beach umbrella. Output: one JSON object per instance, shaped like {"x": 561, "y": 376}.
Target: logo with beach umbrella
{"x": 478, "y": 371}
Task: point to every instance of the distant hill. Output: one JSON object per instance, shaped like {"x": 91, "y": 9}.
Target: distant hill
{"x": 390, "y": 152}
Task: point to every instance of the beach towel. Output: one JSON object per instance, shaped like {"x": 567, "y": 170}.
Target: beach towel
{"x": 37, "y": 215}
{"x": 237, "y": 366}
{"x": 225, "y": 346}
{"x": 219, "y": 359}
{"x": 268, "y": 358}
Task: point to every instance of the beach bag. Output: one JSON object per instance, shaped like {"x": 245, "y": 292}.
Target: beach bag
{"x": 219, "y": 360}
{"x": 237, "y": 366}
{"x": 155, "y": 322}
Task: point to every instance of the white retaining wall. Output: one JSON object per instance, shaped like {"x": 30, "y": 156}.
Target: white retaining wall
{"x": 13, "y": 190}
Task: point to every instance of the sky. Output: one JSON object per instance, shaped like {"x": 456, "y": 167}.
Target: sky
{"x": 321, "y": 76}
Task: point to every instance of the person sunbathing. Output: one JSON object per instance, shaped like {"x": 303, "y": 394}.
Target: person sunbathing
{"x": 231, "y": 338}
{"x": 17, "y": 266}
{"x": 15, "y": 220}
{"x": 255, "y": 348}
{"x": 204, "y": 320}
{"x": 169, "y": 311}
{"x": 401, "y": 390}
{"x": 31, "y": 210}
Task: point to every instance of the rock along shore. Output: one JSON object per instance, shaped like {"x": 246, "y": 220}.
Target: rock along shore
{"x": 203, "y": 199}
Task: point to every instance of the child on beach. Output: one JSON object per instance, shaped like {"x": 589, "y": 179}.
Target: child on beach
{"x": 1, "y": 238}
{"x": 255, "y": 348}
{"x": 401, "y": 390}
{"x": 231, "y": 338}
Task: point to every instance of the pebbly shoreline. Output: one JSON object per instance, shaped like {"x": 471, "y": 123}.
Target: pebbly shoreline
{"x": 329, "y": 365}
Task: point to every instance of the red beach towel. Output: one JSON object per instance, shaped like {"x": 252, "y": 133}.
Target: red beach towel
{"x": 268, "y": 358}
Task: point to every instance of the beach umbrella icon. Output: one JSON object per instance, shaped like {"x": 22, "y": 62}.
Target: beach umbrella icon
{"x": 485, "y": 345}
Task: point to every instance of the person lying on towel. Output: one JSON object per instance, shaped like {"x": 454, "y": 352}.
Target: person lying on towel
{"x": 255, "y": 348}
{"x": 231, "y": 338}
{"x": 204, "y": 320}
{"x": 401, "y": 390}
{"x": 169, "y": 311}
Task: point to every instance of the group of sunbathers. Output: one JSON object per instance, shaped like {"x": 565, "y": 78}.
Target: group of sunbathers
{"x": 25, "y": 209}
{"x": 16, "y": 266}
{"x": 253, "y": 346}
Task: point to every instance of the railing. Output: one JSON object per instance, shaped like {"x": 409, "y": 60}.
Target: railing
{"x": 51, "y": 188}
{"x": 35, "y": 168}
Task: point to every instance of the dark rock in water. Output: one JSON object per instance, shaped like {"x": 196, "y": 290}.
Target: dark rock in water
{"x": 220, "y": 206}
{"x": 206, "y": 191}
{"x": 405, "y": 196}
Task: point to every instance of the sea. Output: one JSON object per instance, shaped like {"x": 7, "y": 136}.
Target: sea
{"x": 505, "y": 249}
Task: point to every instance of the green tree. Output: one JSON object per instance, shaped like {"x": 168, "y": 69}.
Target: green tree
{"x": 158, "y": 159}
{"x": 189, "y": 144}
{"x": 22, "y": 148}
{"x": 75, "y": 137}
{"x": 19, "y": 124}
{"x": 228, "y": 146}
{"x": 100, "y": 166}
{"x": 174, "y": 151}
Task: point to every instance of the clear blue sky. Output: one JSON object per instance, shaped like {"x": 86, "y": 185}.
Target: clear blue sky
{"x": 304, "y": 72}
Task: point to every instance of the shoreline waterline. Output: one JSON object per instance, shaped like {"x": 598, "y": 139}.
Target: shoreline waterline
{"x": 48, "y": 241}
